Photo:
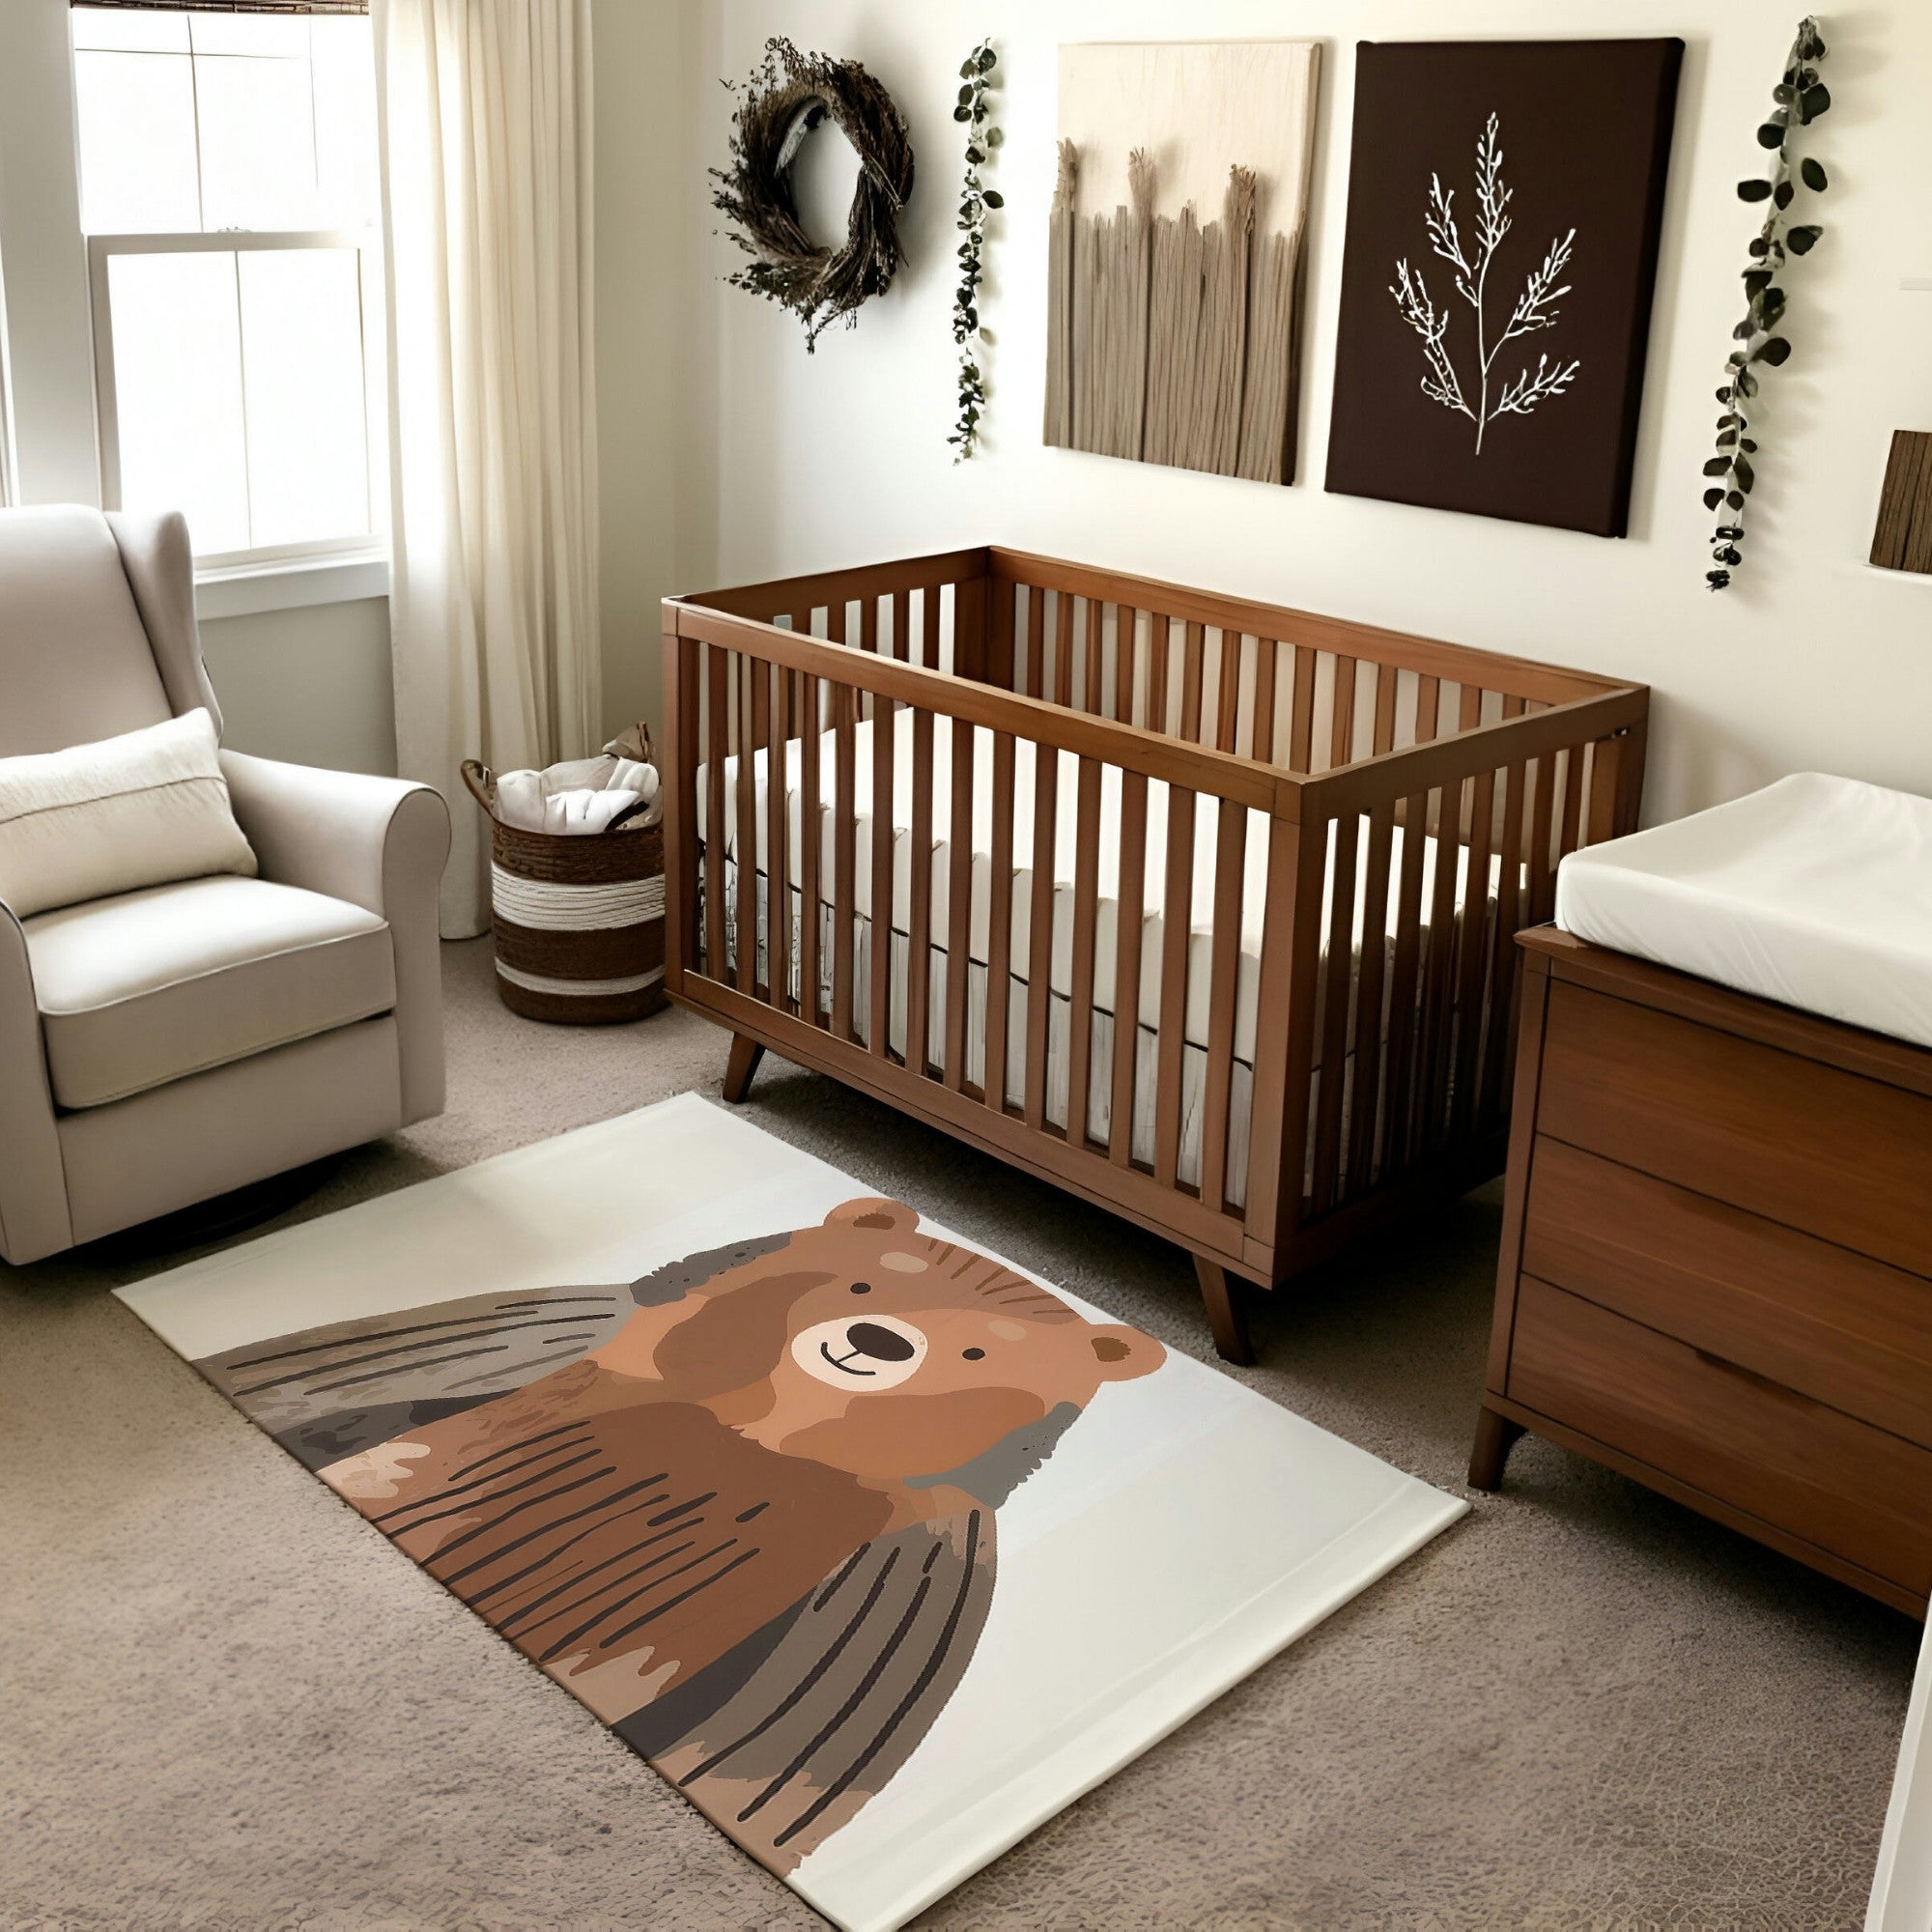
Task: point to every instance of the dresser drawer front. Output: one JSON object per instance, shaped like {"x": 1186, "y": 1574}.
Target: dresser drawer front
{"x": 1854, "y": 1491}
{"x": 1806, "y": 1313}
{"x": 1831, "y": 1154}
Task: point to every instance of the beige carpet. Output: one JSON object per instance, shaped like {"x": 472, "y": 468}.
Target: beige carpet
{"x": 226, "y": 1703}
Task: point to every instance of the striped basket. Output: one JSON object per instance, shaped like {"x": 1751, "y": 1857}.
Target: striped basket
{"x": 579, "y": 919}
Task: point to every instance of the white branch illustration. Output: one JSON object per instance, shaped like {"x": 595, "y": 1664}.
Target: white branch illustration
{"x": 1535, "y": 308}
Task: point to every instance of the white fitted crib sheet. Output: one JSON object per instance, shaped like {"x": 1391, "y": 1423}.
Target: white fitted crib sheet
{"x": 1201, "y": 921}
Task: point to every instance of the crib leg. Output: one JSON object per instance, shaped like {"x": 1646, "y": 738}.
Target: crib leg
{"x": 1224, "y": 1313}
{"x": 746, "y": 1053}
{"x": 1495, "y": 1437}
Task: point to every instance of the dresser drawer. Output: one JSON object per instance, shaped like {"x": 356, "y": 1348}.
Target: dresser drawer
{"x": 1828, "y": 1152}
{"x": 1834, "y": 1325}
{"x": 1850, "y": 1489}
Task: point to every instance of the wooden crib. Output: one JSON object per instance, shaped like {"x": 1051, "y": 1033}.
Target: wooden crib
{"x": 1319, "y": 795}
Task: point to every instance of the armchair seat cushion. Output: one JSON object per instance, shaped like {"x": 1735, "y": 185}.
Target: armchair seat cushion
{"x": 150, "y": 986}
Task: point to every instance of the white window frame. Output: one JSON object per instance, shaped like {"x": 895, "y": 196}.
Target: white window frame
{"x": 371, "y": 547}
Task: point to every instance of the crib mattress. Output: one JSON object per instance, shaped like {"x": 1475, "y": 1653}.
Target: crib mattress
{"x": 1201, "y": 913}
{"x": 1815, "y": 891}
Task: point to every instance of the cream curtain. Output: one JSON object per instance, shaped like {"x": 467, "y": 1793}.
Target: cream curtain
{"x": 486, "y": 127}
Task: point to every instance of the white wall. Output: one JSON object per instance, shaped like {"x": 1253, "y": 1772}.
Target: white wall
{"x": 1815, "y": 660}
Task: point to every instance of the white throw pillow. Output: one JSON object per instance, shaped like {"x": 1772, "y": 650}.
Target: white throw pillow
{"x": 142, "y": 810}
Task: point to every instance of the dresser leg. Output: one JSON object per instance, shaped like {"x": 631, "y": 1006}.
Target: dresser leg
{"x": 746, "y": 1053}
{"x": 1495, "y": 1437}
{"x": 1224, "y": 1314}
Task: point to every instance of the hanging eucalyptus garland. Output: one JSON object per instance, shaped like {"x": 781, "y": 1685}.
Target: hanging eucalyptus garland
{"x": 1797, "y": 100}
{"x": 788, "y": 96}
{"x": 976, "y": 201}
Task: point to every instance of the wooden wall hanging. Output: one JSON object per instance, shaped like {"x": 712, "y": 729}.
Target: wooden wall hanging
{"x": 1903, "y": 539}
{"x": 1505, "y": 200}
{"x": 1175, "y": 277}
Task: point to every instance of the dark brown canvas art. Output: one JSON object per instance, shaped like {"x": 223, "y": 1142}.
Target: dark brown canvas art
{"x": 1504, "y": 205}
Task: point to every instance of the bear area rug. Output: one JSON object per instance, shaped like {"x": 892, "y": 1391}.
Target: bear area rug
{"x": 879, "y": 1552}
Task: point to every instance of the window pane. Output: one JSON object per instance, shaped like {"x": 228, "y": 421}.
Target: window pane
{"x": 344, "y": 65}
{"x": 257, "y": 143}
{"x": 130, "y": 28}
{"x": 178, "y": 393}
{"x": 251, "y": 34}
{"x": 136, "y": 138}
{"x": 301, "y": 344}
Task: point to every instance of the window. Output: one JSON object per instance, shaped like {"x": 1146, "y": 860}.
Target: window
{"x": 228, "y": 192}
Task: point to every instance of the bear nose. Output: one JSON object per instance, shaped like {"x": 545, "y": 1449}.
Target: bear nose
{"x": 881, "y": 1345}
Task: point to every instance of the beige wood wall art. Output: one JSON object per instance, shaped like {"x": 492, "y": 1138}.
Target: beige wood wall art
{"x": 1173, "y": 288}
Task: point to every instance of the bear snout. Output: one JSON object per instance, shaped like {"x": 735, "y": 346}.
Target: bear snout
{"x": 878, "y": 1352}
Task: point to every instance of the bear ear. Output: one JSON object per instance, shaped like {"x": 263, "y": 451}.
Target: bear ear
{"x": 1124, "y": 1354}
{"x": 875, "y": 1215}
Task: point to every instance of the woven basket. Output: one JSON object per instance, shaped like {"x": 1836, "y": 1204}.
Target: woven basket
{"x": 578, "y": 918}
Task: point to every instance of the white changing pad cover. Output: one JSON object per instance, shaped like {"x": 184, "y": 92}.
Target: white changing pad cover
{"x": 1815, "y": 891}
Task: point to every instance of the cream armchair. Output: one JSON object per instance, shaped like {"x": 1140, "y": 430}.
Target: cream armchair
{"x": 165, "y": 1046}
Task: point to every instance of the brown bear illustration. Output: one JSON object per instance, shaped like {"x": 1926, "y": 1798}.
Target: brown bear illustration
{"x": 743, "y": 1509}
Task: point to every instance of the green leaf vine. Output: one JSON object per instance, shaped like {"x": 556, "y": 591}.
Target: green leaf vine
{"x": 1797, "y": 100}
{"x": 976, "y": 201}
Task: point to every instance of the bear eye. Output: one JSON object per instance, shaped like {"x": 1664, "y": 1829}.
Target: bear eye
{"x": 976, "y": 1354}
{"x": 861, "y": 1288}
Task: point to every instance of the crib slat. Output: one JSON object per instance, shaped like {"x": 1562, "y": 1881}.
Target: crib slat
{"x": 1470, "y": 1000}
{"x": 1000, "y": 924}
{"x": 1374, "y": 978}
{"x": 1035, "y": 633}
{"x": 901, "y": 623}
{"x": 1176, "y": 920}
{"x": 811, "y": 848}
{"x": 879, "y": 1024}
{"x": 1063, "y": 647}
{"x": 1541, "y": 873}
{"x": 1039, "y": 949}
{"x": 1127, "y": 627}
{"x": 1342, "y": 720}
{"x": 1401, "y": 1057}
{"x": 1086, "y": 919}
{"x": 746, "y": 806}
{"x": 1193, "y": 673}
{"x": 1439, "y": 983}
{"x": 1336, "y": 988}
{"x": 918, "y": 917}
{"x": 1428, "y": 708}
{"x": 869, "y": 625}
{"x": 1503, "y": 961}
{"x": 1090, "y": 690}
{"x": 778, "y": 869}
{"x": 845, "y": 862}
{"x": 1000, "y": 639}
{"x": 1260, "y": 739}
{"x": 717, "y": 748}
{"x": 682, "y": 658}
{"x": 1572, "y": 803}
{"x": 1224, "y": 965}
{"x": 929, "y": 602}
{"x": 1388, "y": 681}
{"x": 1129, "y": 923}
{"x": 959, "y": 904}
{"x": 1228, "y": 690}
{"x": 1301, "y": 717}
{"x": 1159, "y": 628}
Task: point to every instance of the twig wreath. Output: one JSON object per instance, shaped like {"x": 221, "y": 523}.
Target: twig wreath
{"x": 789, "y": 95}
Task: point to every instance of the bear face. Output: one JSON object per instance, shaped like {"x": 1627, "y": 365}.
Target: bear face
{"x": 868, "y": 1346}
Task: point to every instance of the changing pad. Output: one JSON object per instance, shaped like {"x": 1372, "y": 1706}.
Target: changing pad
{"x": 1815, "y": 891}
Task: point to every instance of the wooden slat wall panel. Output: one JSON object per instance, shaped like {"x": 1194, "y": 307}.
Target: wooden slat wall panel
{"x": 919, "y": 913}
{"x": 1000, "y": 924}
{"x": 1129, "y": 929}
{"x": 1039, "y": 960}
{"x": 1229, "y": 858}
{"x": 879, "y": 1018}
{"x": 958, "y": 904}
{"x": 1086, "y": 910}
{"x": 1176, "y": 920}
{"x": 811, "y": 851}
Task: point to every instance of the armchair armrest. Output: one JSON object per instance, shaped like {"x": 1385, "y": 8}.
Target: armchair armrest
{"x": 378, "y": 843}
{"x": 34, "y": 1218}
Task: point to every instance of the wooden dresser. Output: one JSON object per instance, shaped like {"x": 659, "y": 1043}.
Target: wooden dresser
{"x": 1717, "y": 1260}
